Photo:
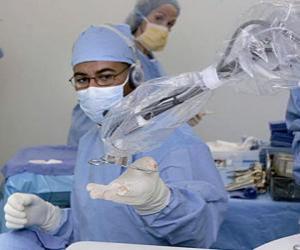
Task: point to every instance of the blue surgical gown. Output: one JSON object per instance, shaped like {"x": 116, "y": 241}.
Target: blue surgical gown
{"x": 192, "y": 217}
{"x": 293, "y": 124}
{"x": 80, "y": 123}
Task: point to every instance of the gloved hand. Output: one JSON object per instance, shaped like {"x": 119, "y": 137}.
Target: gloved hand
{"x": 140, "y": 186}
{"x": 25, "y": 210}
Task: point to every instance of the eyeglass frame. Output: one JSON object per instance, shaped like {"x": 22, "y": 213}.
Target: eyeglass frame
{"x": 73, "y": 83}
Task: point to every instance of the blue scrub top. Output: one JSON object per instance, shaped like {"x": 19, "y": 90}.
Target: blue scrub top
{"x": 191, "y": 219}
{"x": 80, "y": 123}
{"x": 293, "y": 124}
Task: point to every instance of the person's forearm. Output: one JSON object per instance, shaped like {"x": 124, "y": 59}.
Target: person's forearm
{"x": 193, "y": 216}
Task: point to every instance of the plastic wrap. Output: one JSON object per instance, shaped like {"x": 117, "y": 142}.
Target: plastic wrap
{"x": 264, "y": 51}
{"x": 265, "y": 48}
{"x": 147, "y": 116}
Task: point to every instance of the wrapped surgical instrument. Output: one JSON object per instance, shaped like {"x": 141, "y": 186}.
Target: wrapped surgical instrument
{"x": 264, "y": 51}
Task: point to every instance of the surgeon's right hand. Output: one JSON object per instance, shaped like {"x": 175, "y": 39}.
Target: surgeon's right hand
{"x": 25, "y": 210}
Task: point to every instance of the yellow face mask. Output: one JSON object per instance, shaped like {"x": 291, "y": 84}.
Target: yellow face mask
{"x": 155, "y": 37}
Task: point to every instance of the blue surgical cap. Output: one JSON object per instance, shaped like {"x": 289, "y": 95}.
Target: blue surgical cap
{"x": 143, "y": 8}
{"x": 99, "y": 43}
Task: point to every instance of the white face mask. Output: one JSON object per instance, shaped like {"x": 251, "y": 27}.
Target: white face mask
{"x": 95, "y": 100}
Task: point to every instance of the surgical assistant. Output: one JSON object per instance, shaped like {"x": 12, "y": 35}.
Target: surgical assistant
{"x": 180, "y": 205}
{"x": 293, "y": 124}
{"x": 150, "y": 22}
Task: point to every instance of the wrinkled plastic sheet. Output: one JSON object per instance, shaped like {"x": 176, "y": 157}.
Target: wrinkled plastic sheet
{"x": 262, "y": 56}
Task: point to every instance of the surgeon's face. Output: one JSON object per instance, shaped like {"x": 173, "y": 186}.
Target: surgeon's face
{"x": 100, "y": 74}
{"x": 165, "y": 15}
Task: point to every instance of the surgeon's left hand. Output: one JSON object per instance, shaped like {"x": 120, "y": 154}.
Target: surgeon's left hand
{"x": 144, "y": 190}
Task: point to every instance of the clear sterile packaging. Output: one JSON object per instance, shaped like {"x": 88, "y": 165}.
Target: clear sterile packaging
{"x": 263, "y": 54}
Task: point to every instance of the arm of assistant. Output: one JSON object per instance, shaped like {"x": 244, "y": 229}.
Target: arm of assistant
{"x": 293, "y": 124}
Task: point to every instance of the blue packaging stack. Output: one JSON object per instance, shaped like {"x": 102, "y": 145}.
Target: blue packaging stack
{"x": 280, "y": 136}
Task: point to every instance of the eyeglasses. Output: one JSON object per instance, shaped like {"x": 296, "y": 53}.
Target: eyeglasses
{"x": 102, "y": 80}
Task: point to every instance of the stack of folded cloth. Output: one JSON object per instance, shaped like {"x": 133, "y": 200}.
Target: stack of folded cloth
{"x": 280, "y": 136}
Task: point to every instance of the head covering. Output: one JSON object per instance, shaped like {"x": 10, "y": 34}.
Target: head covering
{"x": 99, "y": 43}
{"x": 1, "y": 53}
{"x": 143, "y": 8}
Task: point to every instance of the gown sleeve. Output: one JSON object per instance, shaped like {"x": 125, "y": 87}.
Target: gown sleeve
{"x": 293, "y": 124}
{"x": 198, "y": 198}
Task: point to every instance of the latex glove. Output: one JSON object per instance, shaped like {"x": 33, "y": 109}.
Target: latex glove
{"x": 25, "y": 210}
{"x": 144, "y": 190}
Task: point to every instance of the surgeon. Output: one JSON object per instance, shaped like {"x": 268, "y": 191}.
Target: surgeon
{"x": 169, "y": 196}
{"x": 293, "y": 124}
{"x": 151, "y": 22}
